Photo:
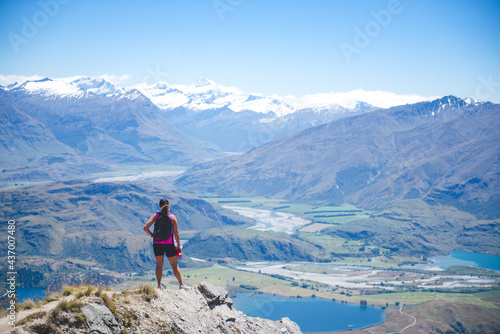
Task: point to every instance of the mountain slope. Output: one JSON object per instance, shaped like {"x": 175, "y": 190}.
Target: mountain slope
{"x": 440, "y": 151}
{"x": 250, "y": 245}
{"x": 416, "y": 228}
{"x": 102, "y": 121}
{"x": 22, "y": 136}
{"x": 100, "y": 222}
{"x": 30, "y": 151}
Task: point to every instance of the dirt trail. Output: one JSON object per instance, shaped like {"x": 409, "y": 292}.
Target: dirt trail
{"x": 414, "y": 319}
{"x": 20, "y": 315}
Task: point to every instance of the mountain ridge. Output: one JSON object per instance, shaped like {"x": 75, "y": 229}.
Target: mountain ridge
{"x": 205, "y": 94}
{"x": 367, "y": 159}
{"x": 225, "y": 116}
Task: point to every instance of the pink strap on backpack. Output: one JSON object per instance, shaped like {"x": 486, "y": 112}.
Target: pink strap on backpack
{"x": 171, "y": 239}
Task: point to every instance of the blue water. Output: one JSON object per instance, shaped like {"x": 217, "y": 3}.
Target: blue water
{"x": 311, "y": 314}
{"x": 480, "y": 260}
{"x": 460, "y": 258}
{"x": 34, "y": 293}
{"x": 26, "y": 293}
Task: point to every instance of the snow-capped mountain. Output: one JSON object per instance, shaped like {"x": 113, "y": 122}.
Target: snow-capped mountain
{"x": 205, "y": 94}
{"x": 226, "y": 116}
{"x": 82, "y": 124}
{"x": 93, "y": 121}
{"x": 77, "y": 86}
{"x": 237, "y": 121}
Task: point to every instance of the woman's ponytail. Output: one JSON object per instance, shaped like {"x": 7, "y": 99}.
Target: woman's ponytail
{"x": 165, "y": 209}
{"x": 164, "y": 206}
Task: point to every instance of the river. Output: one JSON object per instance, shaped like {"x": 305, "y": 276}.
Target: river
{"x": 268, "y": 220}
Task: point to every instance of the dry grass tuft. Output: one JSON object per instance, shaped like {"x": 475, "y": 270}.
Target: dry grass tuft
{"x": 109, "y": 303}
{"x": 67, "y": 290}
{"x": 69, "y": 306}
{"x": 148, "y": 292}
{"x": 28, "y": 304}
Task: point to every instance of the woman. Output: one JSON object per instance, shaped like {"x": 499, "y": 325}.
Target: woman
{"x": 165, "y": 245}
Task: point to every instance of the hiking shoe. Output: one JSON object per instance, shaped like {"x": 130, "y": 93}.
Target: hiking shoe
{"x": 184, "y": 287}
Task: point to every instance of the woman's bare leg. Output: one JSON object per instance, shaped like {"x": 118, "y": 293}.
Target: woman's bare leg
{"x": 175, "y": 268}
{"x": 159, "y": 269}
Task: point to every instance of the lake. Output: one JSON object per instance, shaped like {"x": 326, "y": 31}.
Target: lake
{"x": 461, "y": 258}
{"x": 311, "y": 314}
{"x": 480, "y": 260}
{"x": 33, "y": 293}
{"x": 26, "y": 293}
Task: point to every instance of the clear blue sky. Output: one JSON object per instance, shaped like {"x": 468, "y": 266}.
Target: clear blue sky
{"x": 426, "y": 47}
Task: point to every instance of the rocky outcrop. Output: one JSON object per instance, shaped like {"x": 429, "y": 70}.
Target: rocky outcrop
{"x": 214, "y": 295}
{"x": 100, "y": 319}
{"x": 202, "y": 309}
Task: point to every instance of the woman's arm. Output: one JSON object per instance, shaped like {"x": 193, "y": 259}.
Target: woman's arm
{"x": 176, "y": 232}
{"x": 148, "y": 225}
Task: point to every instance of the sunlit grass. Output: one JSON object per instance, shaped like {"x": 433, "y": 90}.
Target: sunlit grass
{"x": 109, "y": 302}
{"x": 147, "y": 292}
{"x": 67, "y": 290}
{"x": 27, "y": 304}
{"x": 69, "y": 306}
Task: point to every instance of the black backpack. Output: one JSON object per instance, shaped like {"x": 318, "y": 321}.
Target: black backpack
{"x": 163, "y": 227}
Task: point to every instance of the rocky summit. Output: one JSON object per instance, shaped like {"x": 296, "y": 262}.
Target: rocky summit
{"x": 201, "y": 309}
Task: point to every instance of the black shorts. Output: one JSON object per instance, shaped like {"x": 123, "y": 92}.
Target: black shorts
{"x": 161, "y": 249}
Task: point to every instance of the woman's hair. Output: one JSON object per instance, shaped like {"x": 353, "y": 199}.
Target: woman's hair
{"x": 164, "y": 206}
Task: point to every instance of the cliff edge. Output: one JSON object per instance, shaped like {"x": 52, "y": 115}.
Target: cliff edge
{"x": 202, "y": 309}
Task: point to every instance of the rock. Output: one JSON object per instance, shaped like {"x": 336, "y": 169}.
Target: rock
{"x": 213, "y": 294}
{"x": 65, "y": 317}
{"x": 100, "y": 319}
{"x": 228, "y": 302}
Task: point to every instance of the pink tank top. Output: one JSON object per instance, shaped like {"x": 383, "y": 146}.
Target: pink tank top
{"x": 170, "y": 240}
